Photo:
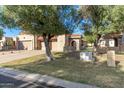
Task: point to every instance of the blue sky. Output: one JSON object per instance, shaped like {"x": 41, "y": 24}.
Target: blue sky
{"x": 15, "y": 32}
{"x": 11, "y": 32}
{"x": 78, "y": 31}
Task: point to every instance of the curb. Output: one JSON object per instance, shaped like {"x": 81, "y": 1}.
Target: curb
{"x": 31, "y": 77}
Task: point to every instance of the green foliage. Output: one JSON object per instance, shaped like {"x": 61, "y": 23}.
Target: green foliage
{"x": 115, "y": 19}
{"x": 1, "y": 30}
{"x": 1, "y": 33}
{"x": 38, "y": 19}
{"x": 9, "y": 42}
{"x": 104, "y": 19}
{"x": 89, "y": 37}
{"x": 96, "y": 14}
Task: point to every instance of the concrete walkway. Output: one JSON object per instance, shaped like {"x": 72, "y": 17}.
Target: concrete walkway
{"x": 7, "y": 56}
{"x": 25, "y": 76}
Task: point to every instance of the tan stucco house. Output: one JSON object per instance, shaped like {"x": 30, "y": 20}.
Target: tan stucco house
{"x": 66, "y": 42}
{"x": 63, "y": 43}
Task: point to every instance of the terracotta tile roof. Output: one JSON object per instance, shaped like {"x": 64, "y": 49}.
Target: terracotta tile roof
{"x": 40, "y": 38}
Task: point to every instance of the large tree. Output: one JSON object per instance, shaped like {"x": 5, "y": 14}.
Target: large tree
{"x": 97, "y": 16}
{"x": 104, "y": 20}
{"x": 46, "y": 21}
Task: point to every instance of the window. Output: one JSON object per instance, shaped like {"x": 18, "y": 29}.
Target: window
{"x": 102, "y": 44}
{"x": 111, "y": 43}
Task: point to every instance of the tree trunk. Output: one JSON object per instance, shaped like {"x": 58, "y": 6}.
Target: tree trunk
{"x": 35, "y": 42}
{"x": 95, "y": 46}
{"x": 47, "y": 48}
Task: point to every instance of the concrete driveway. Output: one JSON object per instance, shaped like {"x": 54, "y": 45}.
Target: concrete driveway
{"x": 8, "y": 56}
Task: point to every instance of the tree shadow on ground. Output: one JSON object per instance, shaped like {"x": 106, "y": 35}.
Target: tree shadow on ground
{"x": 75, "y": 55}
{"x": 73, "y": 69}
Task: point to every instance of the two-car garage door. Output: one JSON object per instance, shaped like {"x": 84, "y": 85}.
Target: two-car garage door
{"x": 26, "y": 45}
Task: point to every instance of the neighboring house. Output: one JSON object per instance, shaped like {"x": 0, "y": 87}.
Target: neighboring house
{"x": 113, "y": 41}
{"x": 7, "y": 43}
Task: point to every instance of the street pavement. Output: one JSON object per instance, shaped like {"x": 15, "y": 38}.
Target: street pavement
{"x": 8, "y": 82}
{"x": 7, "y": 56}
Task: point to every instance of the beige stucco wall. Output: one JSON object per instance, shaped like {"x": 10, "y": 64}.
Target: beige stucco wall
{"x": 43, "y": 46}
{"x": 60, "y": 43}
{"x": 56, "y": 46}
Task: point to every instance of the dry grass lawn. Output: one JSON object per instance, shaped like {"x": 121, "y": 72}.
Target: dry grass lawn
{"x": 74, "y": 70}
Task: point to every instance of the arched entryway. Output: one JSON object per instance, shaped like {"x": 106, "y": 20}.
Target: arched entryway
{"x": 73, "y": 44}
